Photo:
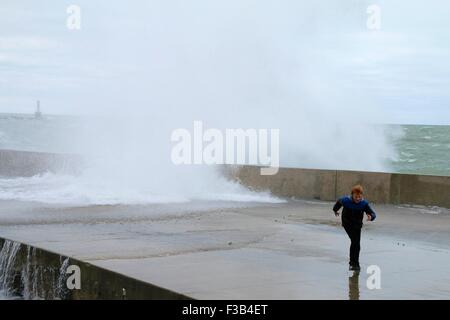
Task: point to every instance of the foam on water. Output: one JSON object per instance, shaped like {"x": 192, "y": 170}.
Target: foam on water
{"x": 84, "y": 190}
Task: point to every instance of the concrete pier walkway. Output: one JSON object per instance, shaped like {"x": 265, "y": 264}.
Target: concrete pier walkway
{"x": 225, "y": 250}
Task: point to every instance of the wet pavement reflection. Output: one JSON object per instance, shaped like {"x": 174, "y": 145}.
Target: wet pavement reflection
{"x": 353, "y": 286}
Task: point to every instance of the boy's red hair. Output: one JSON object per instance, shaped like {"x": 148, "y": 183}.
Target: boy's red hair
{"x": 358, "y": 189}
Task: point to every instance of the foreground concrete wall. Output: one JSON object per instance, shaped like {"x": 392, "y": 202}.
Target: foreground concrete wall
{"x": 25, "y": 164}
{"x": 33, "y": 273}
{"x": 393, "y": 188}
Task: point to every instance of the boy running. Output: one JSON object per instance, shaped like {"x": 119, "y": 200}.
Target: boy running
{"x": 352, "y": 220}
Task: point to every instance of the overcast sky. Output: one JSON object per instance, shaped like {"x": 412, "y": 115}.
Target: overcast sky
{"x": 158, "y": 55}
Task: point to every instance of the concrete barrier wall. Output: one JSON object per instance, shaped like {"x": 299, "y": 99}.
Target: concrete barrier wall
{"x": 420, "y": 189}
{"x": 393, "y": 188}
{"x": 288, "y": 182}
{"x": 33, "y": 273}
{"x": 319, "y": 184}
{"x": 25, "y": 164}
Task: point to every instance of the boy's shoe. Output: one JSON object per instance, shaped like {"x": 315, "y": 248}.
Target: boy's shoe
{"x": 354, "y": 267}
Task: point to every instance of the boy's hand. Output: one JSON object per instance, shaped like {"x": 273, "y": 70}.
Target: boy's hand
{"x": 336, "y": 214}
{"x": 369, "y": 217}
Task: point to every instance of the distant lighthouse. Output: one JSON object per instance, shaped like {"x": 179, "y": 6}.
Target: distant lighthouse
{"x": 38, "y": 113}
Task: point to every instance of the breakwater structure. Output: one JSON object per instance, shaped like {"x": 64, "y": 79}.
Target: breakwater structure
{"x": 27, "y": 163}
{"x": 328, "y": 185}
{"x": 319, "y": 184}
{"x": 31, "y": 268}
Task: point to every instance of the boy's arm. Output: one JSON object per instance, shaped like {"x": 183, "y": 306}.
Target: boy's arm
{"x": 337, "y": 206}
{"x": 369, "y": 211}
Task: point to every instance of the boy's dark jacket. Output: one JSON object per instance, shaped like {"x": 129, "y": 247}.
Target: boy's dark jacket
{"x": 353, "y": 213}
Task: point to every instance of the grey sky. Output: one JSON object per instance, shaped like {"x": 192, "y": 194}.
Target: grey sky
{"x": 204, "y": 56}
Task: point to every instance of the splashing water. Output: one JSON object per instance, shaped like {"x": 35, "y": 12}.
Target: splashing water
{"x": 153, "y": 67}
{"x": 22, "y": 277}
{"x": 8, "y": 274}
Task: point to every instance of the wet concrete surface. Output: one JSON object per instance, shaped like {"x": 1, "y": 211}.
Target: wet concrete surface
{"x": 226, "y": 250}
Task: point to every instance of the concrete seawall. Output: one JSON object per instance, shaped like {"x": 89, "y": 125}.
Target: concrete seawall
{"x": 32, "y": 273}
{"x": 387, "y": 188}
{"x": 26, "y": 164}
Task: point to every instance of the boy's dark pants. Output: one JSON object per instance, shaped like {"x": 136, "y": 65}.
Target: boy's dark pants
{"x": 354, "y": 233}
